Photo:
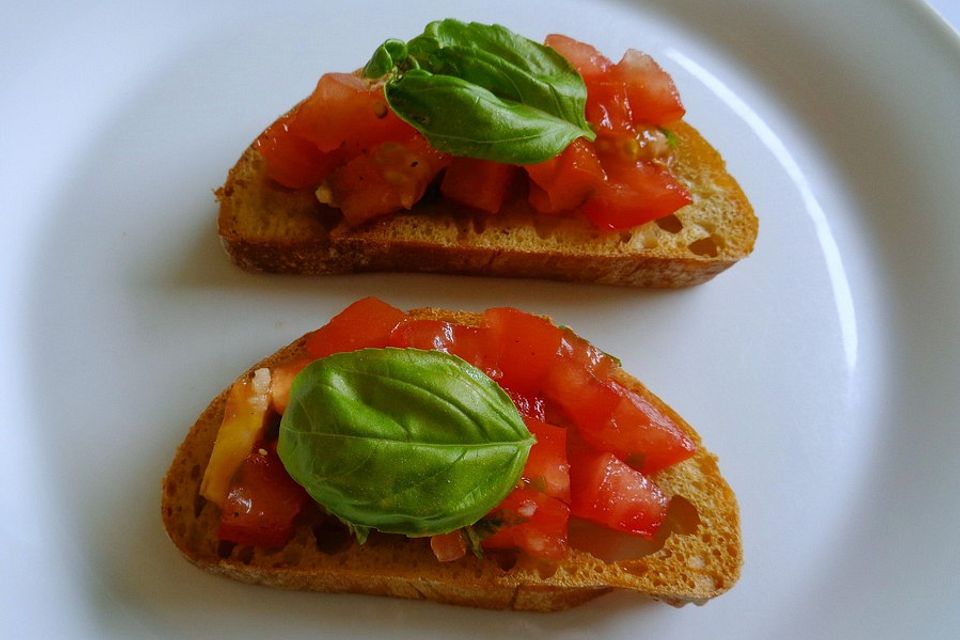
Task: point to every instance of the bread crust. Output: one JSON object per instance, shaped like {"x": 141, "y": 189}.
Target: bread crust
{"x": 267, "y": 228}
{"x": 690, "y": 567}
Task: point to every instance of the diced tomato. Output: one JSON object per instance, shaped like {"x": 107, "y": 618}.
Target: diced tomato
{"x": 608, "y": 108}
{"x": 635, "y": 195}
{"x": 481, "y": 184}
{"x": 262, "y": 503}
{"x": 607, "y": 491}
{"x": 529, "y": 406}
{"x": 391, "y": 176}
{"x": 365, "y": 323}
{"x": 470, "y": 343}
{"x": 293, "y": 161}
{"x": 639, "y": 434}
{"x": 547, "y": 469}
{"x": 577, "y": 351}
{"x": 526, "y": 347}
{"x": 531, "y": 521}
{"x": 449, "y": 546}
{"x": 281, "y": 379}
{"x": 585, "y": 58}
{"x": 565, "y": 182}
{"x": 579, "y": 394}
{"x": 652, "y": 95}
{"x": 346, "y": 110}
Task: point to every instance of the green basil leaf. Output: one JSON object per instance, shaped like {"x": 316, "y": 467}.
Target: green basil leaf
{"x": 467, "y": 120}
{"x": 402, "y": 440}
{"x": 488, "y": 92}
{"x": 386, "y": 58}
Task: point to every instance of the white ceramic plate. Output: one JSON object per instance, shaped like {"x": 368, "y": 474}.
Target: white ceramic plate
{"x": 823, "y": 370}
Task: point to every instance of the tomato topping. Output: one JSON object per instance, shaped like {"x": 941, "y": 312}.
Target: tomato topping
{"x": 365, "y": 323}
{"x": 346, "y": 110}
{"x": 651, "y": 93}
{"x": 529, "y": 406}
{"x": 585, "y": 58}
{"x": 262, "y": 502}
{"x": 526, "y": 346}
{"x": 607, "y": 491}
{"x": 547, "y": 469}
{"x": 531, "y": 521}
{"x": 635, "y": 195}
{"x": 579, "y": 394}
{"x": 578, "y": 351}
{"x": 480, "y": 184}
{"x": 449, "y": 546}
{"x": 470, "y": 343}
{"x": 391, "y": 176}
{"x": 565, "y": 182}
{"x": 638, "y": 433}
{"x": 293, "y": 161}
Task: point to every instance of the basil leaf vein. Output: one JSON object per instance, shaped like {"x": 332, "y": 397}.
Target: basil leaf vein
{"x": 402, "y": 440}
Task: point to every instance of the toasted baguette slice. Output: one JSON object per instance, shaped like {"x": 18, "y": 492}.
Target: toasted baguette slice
{"x": 690, "y": 567}
{"x": 265, "y": 227}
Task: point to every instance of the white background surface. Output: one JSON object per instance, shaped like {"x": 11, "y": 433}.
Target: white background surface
{"x": 823, "y": 370}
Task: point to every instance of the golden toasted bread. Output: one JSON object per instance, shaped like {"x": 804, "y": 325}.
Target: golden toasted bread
{"x": 699, "y": 559}
{"x": 265, "y": 227}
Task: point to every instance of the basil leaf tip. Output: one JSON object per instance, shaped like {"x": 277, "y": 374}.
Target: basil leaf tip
{"x": 402, "y": 440}
{"x": 482, "y": 91}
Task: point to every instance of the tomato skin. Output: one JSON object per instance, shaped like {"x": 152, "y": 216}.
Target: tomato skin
{"x": 529, "y": 406}
{"x": 481, "y": 184}
{"x": 650, "y": 90}
{"x": 345, "y": 110}
{"x": 291, "y": 160}
{"x": 391, "y": 176}
{"x": 586, "y": 59}
{"x": 449, "y": 546}
{"x": 526, "y": 347}
{"x": 365, "y": 323}
{"x": 534, "y": 523}
{"x": 640, "y": 434}
{"x": 565, "y": 182}
{"x": 609, "y": 492}
{"x": 635, "y": 196}
{"x": 547, "y": 469}
{"x": 262, "y": 502}
{"x": 470, "y": 343}
{"x": 582, "y": 397}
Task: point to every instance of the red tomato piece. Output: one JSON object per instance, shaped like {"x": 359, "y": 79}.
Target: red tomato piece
{"x": 346, "y": 109}
{"x": 470, "y": 343}
{"x": 565, "y": 182}
{"x": 636, "y": 194}
{"x": 365, "y": 323}
{"x": 525, "y": 346}
{"x": 585, "y": 58}
{"x": 392, "y": 176}
{"x": 583, "y": 398}
{"x": 293, "y": 161}
{"x": 532, "y": 522}
{"x": 575, "y": 351}
{"x": 281, "y": 379}
{"x": 449, "y": 546}
{"x": 650, "y": 90}
{"x": 547, "y": 469}
{"x": 640, "y": 434}
{"x": 529, "y": 406}
{"x": 481, "y": 184}
{"x": 608, "y": 107}
{"x": 262, "y": 503}
{"x": 606, "y": 491}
